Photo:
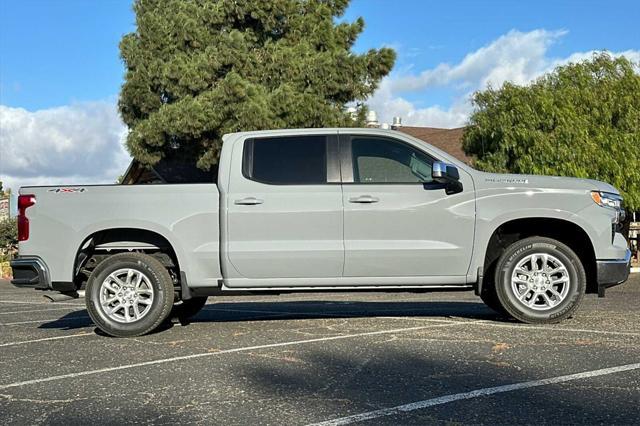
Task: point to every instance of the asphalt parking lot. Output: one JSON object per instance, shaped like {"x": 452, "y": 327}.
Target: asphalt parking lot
{"x": 348, "y": 358}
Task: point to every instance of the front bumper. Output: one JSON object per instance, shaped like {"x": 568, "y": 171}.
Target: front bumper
{"x": 30, "y": 272}
{"x": 613, "y": 272}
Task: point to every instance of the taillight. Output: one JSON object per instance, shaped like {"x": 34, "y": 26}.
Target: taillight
{"x": 24, "y": 202}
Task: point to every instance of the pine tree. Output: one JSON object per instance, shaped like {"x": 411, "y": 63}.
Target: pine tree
{"x": 197, "y": 69}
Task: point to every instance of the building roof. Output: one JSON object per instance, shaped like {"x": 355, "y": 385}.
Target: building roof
{"x": 448, "y": 140}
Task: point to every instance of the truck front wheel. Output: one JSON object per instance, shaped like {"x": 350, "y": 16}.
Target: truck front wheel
{"x": 129, "y": 294}
{"x": 540, "y": 280}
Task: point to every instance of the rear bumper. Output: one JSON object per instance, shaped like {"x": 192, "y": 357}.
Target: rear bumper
{"x": 30, "y": 272}
{"x": 613, "y": 272}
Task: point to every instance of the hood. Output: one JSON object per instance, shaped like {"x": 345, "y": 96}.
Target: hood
{"x": 550, "y": 182}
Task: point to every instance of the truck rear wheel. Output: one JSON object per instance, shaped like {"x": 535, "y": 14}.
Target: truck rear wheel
{"x": 540, "y": 280}
{"x": 129, "y": 294}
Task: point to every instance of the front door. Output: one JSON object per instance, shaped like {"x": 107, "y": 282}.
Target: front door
{"x": 285, "y": 217}
{"x": 397, "y": 221}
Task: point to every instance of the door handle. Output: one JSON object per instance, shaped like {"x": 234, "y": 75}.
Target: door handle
{"x": 364, "y": 199}
{"x": 249, "y": 201}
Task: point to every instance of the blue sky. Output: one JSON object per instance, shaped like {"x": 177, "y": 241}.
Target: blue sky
{"x": 58, "y": 52}
{"x": 60, "y": 70}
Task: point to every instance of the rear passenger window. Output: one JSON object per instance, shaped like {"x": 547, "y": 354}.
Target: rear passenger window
{"x": 289, "y": 160}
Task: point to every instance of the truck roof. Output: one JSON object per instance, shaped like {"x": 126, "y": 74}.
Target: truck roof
{"x": 281, "y": 132}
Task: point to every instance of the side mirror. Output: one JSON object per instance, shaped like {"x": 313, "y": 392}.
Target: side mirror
{"x": 444, "y": 173}
{"x": 448, "y": 175}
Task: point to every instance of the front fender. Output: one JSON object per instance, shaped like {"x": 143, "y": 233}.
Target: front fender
{"x": 499, "y": 205}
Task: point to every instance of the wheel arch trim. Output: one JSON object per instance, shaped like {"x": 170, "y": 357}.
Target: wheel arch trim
{"x": 149, "y": 229}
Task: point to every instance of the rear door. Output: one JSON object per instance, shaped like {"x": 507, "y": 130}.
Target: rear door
{"x": 285, "y": 217}
{"x": 397, "y": 221}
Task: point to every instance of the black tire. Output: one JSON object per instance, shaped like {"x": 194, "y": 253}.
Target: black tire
{"x": 159, "y": 308}
{"x": 185, "y": 309}
{"x": 574, "y": 271}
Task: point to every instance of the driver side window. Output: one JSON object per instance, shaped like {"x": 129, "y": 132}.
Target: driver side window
{"x": 379, "y": 160}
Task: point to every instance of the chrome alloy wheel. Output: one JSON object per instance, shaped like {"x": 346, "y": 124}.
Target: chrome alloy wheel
{"x": 126, "y": 295}
{"x": 540, "y": 281}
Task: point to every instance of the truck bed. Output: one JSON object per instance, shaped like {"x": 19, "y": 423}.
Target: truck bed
{"x": 64, "y": 218}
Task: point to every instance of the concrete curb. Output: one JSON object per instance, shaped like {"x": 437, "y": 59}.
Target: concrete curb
{"x": 635, "y": 270}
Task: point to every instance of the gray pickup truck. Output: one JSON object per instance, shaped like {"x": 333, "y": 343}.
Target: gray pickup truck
{"x": 323, "y": 210}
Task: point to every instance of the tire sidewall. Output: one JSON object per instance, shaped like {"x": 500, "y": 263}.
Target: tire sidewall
{"x": 161, "y": 297}
{"x": 519, "y": 250}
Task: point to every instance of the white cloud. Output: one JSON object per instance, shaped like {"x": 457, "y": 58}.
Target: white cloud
{"x": 516, "y": 57}
{"x": 80, "y": 143}
{"x": 388, "y": 104}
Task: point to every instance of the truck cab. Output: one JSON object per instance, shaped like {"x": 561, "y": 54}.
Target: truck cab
{"x": 342, "y": 208}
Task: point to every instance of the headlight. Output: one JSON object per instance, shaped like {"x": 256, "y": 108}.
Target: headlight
{"x": 612, "y": 201}
{"x": 607, "y": 199}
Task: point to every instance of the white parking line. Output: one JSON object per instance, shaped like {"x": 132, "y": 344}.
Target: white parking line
{"x": 41, "y": 310}
{"x": 209, "y": 354}
{"x": 19, "y": 302}
{"x": 78, "y": 317}
{"x": 24, "y": 342}
{"x": 490, "y": 323}
{"x": 399, "y": 409}
{"x": 573, "y": 330}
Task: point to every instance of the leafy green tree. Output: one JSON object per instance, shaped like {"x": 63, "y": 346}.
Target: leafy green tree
{"x": 580, "y": 120}
{"x": 8, "y": 235}
{"x": 198, "y": 69}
